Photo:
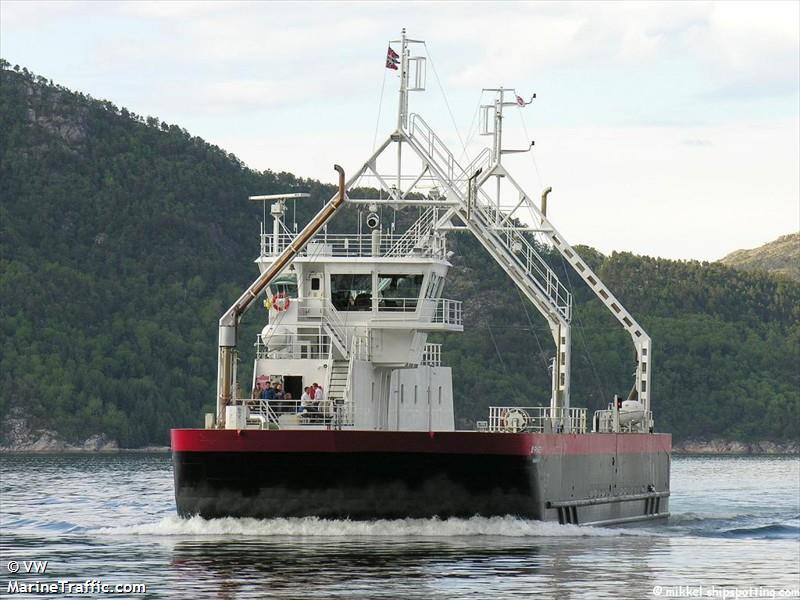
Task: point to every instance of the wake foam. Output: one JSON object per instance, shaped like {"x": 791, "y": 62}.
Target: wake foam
{"x": 314, "y": 526}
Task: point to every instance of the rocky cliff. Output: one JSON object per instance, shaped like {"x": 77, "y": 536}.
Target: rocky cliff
{"x": 781, "y": 257}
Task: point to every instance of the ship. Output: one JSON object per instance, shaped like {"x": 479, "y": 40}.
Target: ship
{"x": 351, "y": 413}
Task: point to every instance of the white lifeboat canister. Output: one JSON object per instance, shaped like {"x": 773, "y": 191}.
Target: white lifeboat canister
{"x": 631, "y": 411}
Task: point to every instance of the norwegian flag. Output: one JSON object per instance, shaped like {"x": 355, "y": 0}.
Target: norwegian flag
{"x": 520, "y": 101}
{"x": 392, "y": 59}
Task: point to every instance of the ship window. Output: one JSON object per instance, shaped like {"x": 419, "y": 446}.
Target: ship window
{"x": 415, "y": 394}
{"x": 284, "y": 284}
{"x": 440, "y": 394}
{"x": 433, "y": 284}
{"x": 398, "y": 292}
{"x": 440, "y": 287}
{"x": 315, "y": 284}
{"x": 351, "y": 291}
{"x": 402, "y": 394}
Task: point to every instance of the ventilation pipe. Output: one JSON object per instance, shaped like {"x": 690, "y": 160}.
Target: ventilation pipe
{"x": 544, "y": 200}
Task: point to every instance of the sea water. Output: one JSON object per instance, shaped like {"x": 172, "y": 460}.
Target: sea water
{"x": 109, "y": 520}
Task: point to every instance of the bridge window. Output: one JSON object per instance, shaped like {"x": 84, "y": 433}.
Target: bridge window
{"x": 398, "y": 292}
{"x": 435, "y": 285}
{"x": 351, "y": 291}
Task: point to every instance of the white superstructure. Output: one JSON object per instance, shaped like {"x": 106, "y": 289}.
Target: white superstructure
{"x": 353, "y": 312}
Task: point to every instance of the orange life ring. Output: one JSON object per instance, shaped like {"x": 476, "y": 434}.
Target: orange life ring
{"x": 281, "y": 302}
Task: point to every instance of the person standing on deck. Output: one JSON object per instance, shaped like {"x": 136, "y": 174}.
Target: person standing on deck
{"x": 280, "y": 407}
{"x": 318, "y": 395}
{"x": 305, "y": 400}
{"x": 322, "y": 407}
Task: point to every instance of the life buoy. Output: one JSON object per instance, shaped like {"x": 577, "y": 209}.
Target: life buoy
{"x": 514, "y": 420}
{"x": 281, "y": 302}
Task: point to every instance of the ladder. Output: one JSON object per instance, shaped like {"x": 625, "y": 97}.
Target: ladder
{"x": 416, "y": 235}
{"x": 335, "y": 327}
{"x": 506, "y": 244}
{"x": 337, "y": 380}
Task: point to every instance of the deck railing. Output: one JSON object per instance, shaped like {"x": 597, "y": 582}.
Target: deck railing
{"x": 295, "y": 414}
{"x": 354, "y": 245}
{"x": 448, "y": 312}
{"x": 432, "y": 355}
{"x": 432, "y": 310}
{"x": 315, "y": 346}
{"x": 537, "y": 419}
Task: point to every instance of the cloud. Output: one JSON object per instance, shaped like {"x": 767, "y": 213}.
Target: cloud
{"x": 742, "y": 49}
{"x": 750, "y": 47}
{"x": 293, "y": 86}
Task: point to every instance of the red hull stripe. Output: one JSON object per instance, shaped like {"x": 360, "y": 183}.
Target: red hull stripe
{"x": 446, "y": 442}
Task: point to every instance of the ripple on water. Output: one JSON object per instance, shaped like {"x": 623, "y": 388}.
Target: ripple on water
{"x": 113, "y": 517}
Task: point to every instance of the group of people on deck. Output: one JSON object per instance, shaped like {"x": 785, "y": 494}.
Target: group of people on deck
{"x": 265, "y": 391}
{"x": 310, "y": 401}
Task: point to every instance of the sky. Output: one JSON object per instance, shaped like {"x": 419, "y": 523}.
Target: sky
{"x": 666, "y": 129}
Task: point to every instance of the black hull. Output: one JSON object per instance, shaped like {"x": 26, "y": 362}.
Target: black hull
{"x": 598, "y": 487}
{"x": 375, "y": 485}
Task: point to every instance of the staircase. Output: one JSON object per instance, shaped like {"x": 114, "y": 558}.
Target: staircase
{"x": 415, "y": 236}
{"x": 520, "y": 260}
{"x": 335, "y": 328}
{"x": 506, "y": 244}
{"x": 337, "y": 380}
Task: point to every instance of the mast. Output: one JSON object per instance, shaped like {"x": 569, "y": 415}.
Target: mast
{"x": 641, "y": 340}
{"x": 481, "y": 210}
{"x": 402, "y": 105}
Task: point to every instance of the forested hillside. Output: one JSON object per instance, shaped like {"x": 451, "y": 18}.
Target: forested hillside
{"x": 124, "y": 238}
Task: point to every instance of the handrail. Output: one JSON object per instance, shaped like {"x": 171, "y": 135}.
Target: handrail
{"x": 478, "y": 163}
{"x": 412, "y": 236}
{"x": 537, "y": 419}
{"x": 432, "y": 355}
{"x": 436, "y": 310}
{"x": 532, "y": 264}
{"x": 339, "y": 245}
{"x": 293, "y": 414}
{"x": 336, "y": 324}
{"x": 293, "y": 345}
{"x": 434, "y": 144}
